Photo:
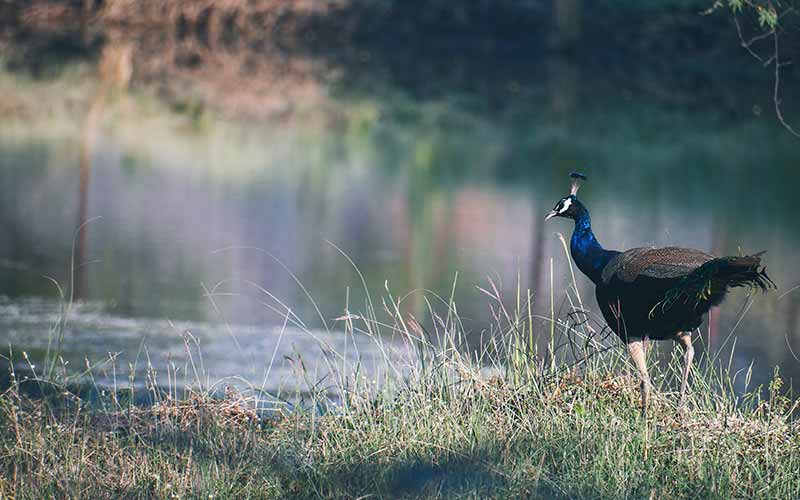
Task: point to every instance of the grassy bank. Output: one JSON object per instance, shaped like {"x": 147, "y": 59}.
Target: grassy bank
{"x": 538, "y": 424}
{"x": 578, "y": 438}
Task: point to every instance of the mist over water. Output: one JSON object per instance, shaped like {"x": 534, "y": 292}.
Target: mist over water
{"x": 195, "y": 215}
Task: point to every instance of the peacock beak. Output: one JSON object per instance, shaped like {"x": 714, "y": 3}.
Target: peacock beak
{"x": 550, "y": 215}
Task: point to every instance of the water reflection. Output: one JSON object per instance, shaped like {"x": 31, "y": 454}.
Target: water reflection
{"x": 414, "y": 191}
{"x": 147, "y": 351}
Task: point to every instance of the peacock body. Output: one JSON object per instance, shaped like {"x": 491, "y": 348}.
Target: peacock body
{"x": 657, "y": 292}
{"x": 654, "y": 293}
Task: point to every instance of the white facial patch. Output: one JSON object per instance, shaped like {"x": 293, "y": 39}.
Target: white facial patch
{"x": 566, "y": 205}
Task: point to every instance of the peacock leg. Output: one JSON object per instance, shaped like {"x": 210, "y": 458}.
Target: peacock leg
{"x": 685, "y": 338}
{"x": 636, "y": 350}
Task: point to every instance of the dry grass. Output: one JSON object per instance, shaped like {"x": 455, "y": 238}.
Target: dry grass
{"x": 545, "y": 410}
{"x": 449, "y": 428}
{"x": 580, "y": 437}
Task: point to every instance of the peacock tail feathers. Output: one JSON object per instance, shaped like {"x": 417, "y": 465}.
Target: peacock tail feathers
{"x": 706, "y": 285}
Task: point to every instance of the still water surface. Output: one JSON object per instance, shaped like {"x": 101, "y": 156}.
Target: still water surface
{"x": 192, "y": 223}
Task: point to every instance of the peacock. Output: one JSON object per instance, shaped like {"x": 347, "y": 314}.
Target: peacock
{"x": 654, "y": 293}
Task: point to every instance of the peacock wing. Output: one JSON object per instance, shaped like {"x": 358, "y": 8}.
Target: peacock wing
{"x": 667, "y": 262}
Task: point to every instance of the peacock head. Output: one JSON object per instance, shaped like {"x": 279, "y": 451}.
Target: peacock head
{"x": 569, "y": 206}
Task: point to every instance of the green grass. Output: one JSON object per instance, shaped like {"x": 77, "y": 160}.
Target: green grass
{"x": 547, "y": 408}
{"x": 501, "y": 423}
{"x": 578, "y": 438}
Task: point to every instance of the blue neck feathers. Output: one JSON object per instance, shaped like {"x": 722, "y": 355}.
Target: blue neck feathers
{"x": 587, "y": 252}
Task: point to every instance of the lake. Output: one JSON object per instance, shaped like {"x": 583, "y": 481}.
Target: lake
{"x": 217, "y": 216}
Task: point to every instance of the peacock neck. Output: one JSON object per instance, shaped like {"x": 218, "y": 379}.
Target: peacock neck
{"x": 588, "y": 254}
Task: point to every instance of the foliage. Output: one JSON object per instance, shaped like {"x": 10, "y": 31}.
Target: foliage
{"x": 767, "y": 15}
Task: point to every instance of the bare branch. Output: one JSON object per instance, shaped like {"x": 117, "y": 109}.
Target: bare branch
{"x": 774, "y": 58}
{"x": 776, "y": 89}
{"x": 747, "y": 44}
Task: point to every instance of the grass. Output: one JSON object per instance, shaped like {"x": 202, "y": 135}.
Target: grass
{"x": 451, "y": 428}
{"x": 580, "y": 437}
{"x": 540, "y": 412}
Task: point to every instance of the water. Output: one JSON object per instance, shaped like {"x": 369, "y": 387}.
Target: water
{"x": 195, "y": 215}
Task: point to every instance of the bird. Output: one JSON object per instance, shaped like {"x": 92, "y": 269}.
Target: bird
{"x": 649, "y": 293}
